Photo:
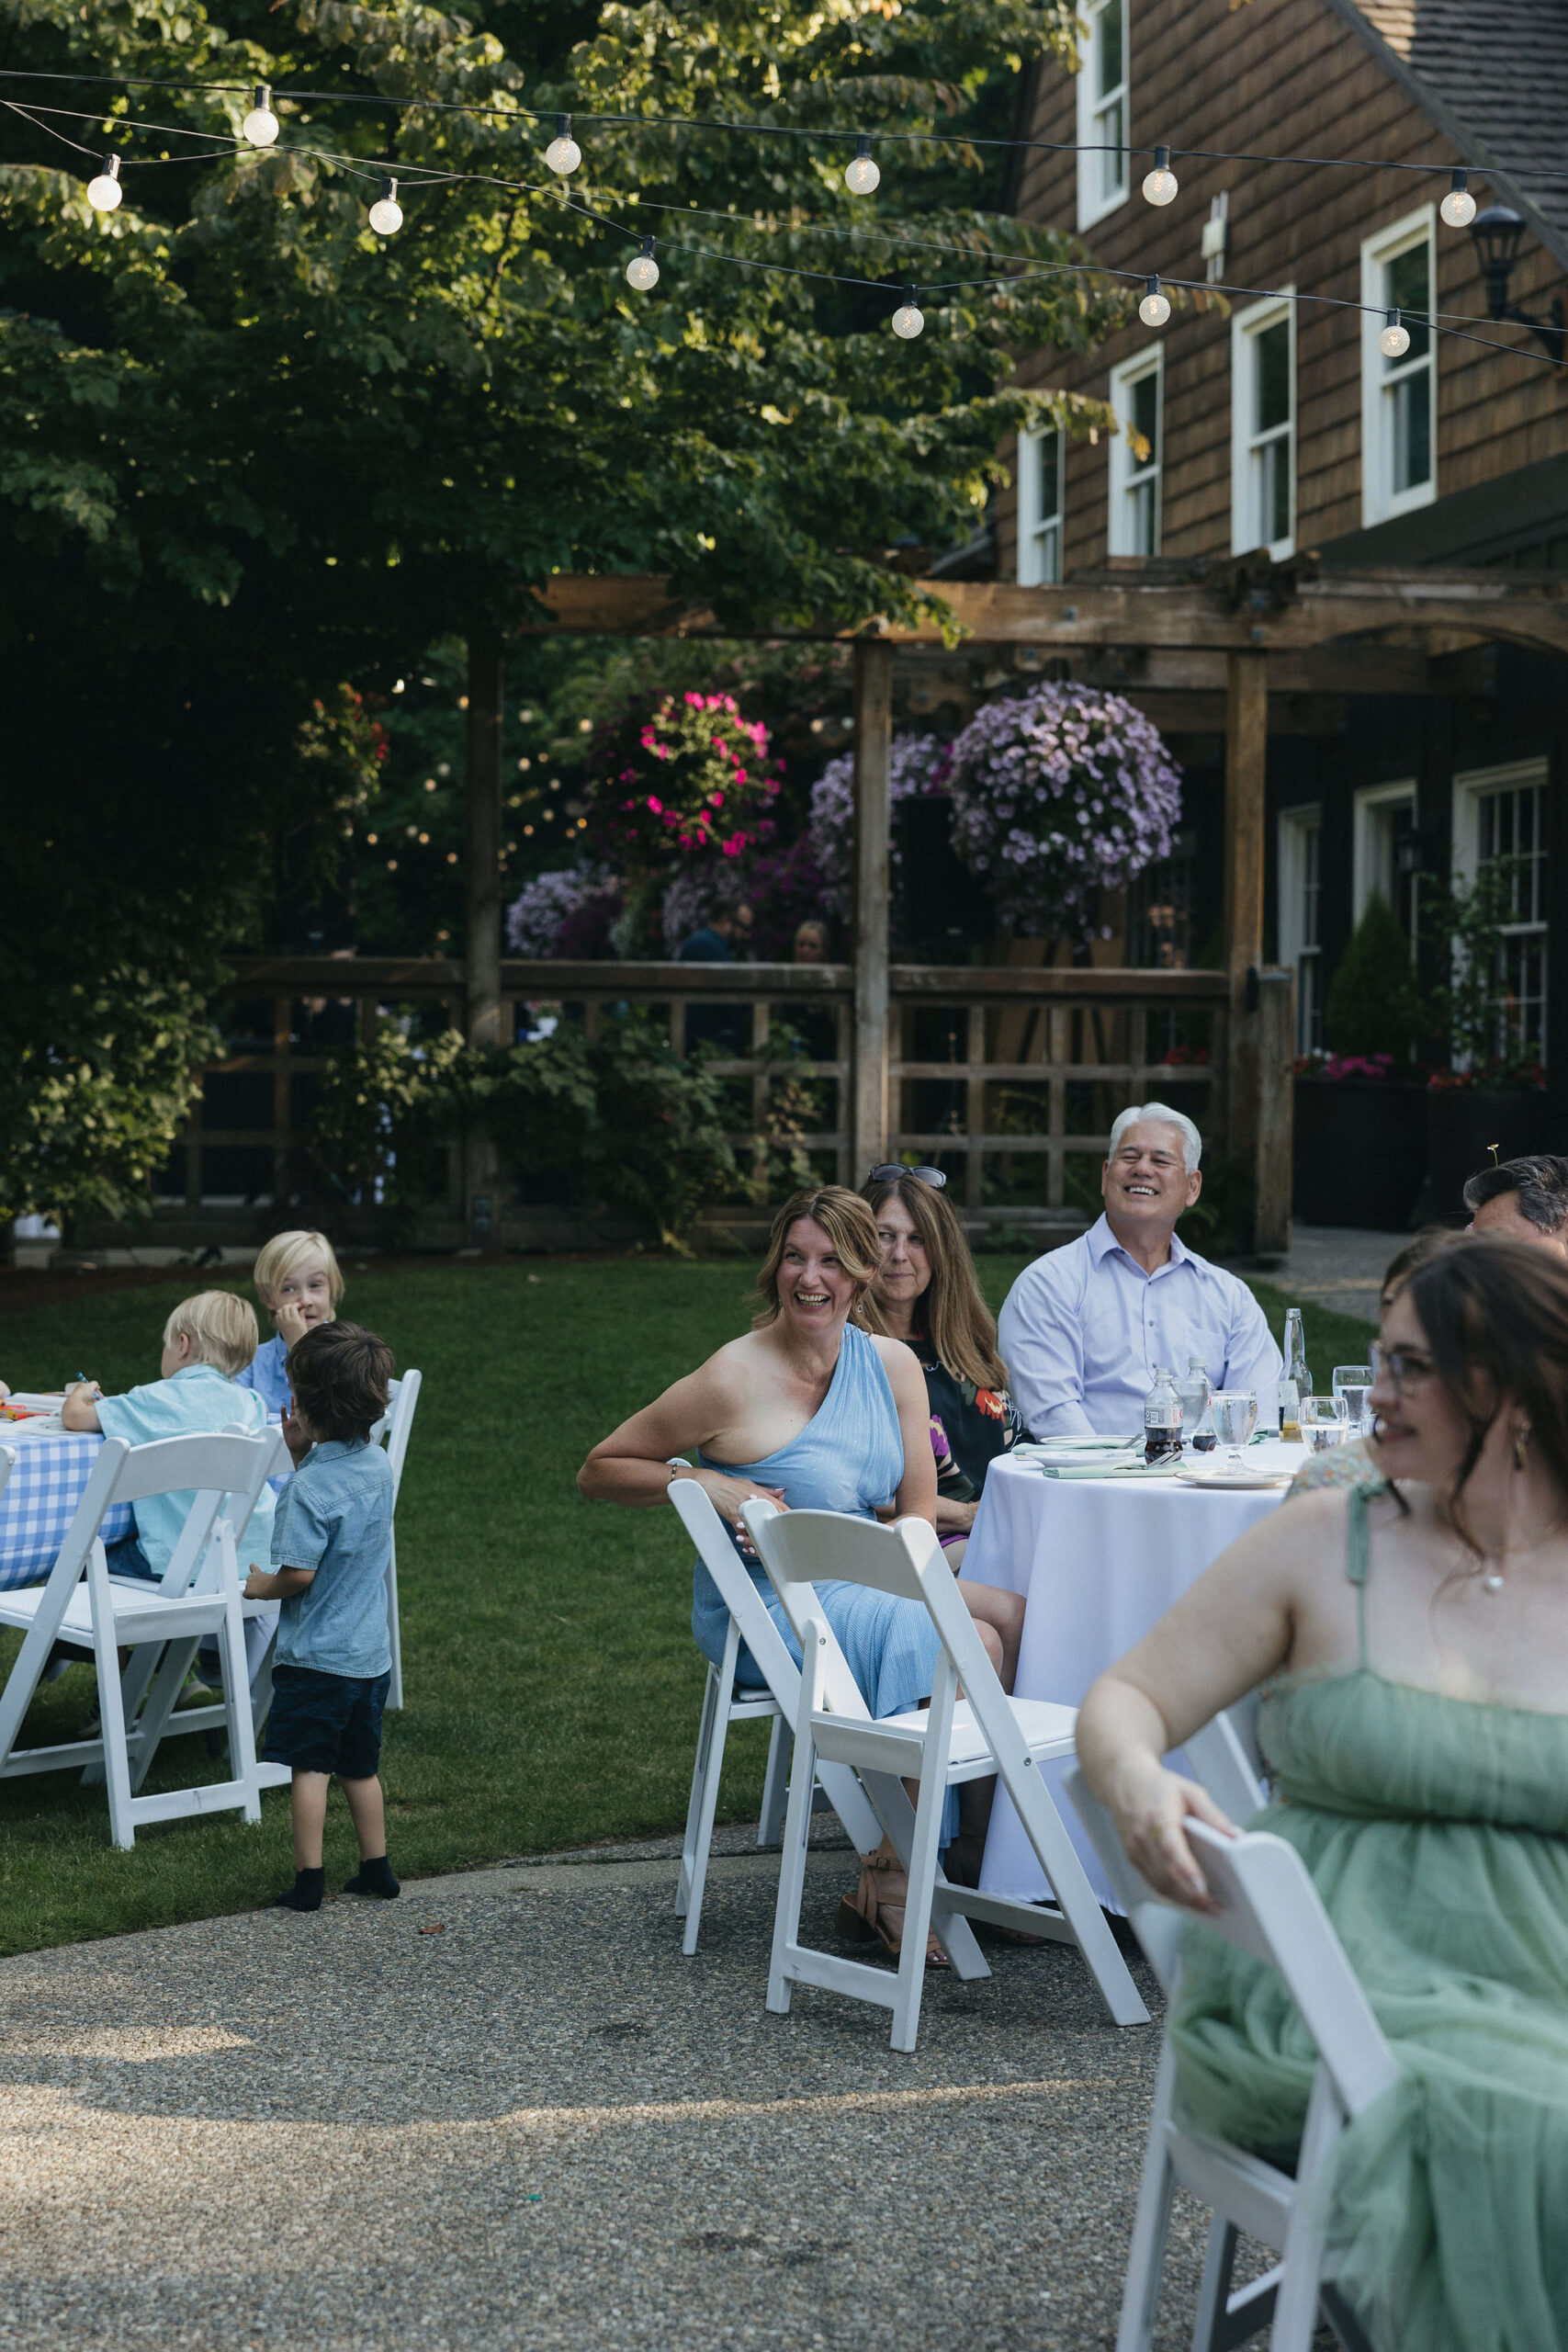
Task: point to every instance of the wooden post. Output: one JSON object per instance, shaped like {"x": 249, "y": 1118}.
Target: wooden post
{"x": 1276, "y": 1019}
{"x": 1247, "y": 748}
{"x": 873, "y": 733}
{"x": 482, "y": 893}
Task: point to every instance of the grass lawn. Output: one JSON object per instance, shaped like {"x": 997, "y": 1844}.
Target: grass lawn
{"x": 551, "y": 1680}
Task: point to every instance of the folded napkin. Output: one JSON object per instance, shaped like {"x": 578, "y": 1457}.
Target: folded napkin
{"x": 1117, "y": 1469}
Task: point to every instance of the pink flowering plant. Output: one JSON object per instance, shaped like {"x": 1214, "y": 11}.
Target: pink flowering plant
{"x": 913, "y": 761}
{"x": 692, "y": 779}
{"x": 1057, "y": 794}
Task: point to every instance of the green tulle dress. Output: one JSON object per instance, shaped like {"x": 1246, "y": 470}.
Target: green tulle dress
{"x": 1435, "y": 1830}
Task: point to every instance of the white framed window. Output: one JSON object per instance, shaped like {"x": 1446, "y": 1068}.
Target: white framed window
{"x": 1041, "y": 458}
{"x": 1501, "y": 813}
{"x": 1399, "y": 397}
{"x": 1301, "y": 937}
{"x": 1384, "y": 812}
{"x": 1103, "y": 111}
{"x": 1263, "y": 427}
{"x": 1137, "y": 395}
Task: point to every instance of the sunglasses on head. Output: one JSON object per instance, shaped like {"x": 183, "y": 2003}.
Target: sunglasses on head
{"x": 889, "y": 1171}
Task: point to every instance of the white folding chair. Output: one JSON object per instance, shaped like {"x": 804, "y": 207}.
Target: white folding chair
{"x": 952, "y": 1742}
{"x": 724, "y": 1703}
{"x": 82, "y": 1605}
{"x": 1269, "y": 1907}
{"x": 402, "y": 1395}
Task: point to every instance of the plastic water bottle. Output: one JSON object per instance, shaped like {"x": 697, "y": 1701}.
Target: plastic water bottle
{"x": 1162, "y": 1419}
{"x": 1194, "y": 1393}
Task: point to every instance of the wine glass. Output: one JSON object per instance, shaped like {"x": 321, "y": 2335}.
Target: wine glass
{"x": 1236, "y": 1418}
{"x": 1354, "y": 1383}
{"x": 1324, "y": 1421}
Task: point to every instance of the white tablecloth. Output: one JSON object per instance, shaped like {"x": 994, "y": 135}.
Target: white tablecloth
{"x": 1098, "y": 1561}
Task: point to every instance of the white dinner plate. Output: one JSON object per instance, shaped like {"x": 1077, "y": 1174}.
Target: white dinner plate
{"x": 1236, "y": 1480}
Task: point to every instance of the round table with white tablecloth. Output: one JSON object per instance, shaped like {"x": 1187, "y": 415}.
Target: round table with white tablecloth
{"x": 1098, "y": 1561}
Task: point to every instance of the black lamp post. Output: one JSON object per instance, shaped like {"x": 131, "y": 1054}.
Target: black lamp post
{"x": 1497, "y": 232}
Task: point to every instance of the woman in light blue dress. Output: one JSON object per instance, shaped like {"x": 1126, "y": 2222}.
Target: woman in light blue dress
{"x": 808, "y": 1410}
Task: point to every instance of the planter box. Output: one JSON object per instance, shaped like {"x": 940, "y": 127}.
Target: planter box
{"x": 1361, "y": 1148}
{"x": 1462, "y": 1124}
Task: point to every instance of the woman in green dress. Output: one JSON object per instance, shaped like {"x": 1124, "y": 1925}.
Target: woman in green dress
{"x": 1416, "y": 1729}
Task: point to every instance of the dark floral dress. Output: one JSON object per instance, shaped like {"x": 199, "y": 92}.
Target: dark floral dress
{"x": 970, "y": 1425}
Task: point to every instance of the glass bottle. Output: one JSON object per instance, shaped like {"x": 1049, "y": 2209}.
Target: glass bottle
{"x": 1162, "y": 1419}
{"x": 1194, "y": 1393}
{"x": 1297, "y": 1380}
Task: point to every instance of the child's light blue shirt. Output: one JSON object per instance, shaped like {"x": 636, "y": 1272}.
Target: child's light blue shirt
{"x": 335, "y": 1517}
{"x": 267, "y": 1374}
{"x": 198, "y": 1399}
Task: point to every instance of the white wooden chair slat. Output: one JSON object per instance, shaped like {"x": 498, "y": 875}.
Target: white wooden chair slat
{"x": 1269, "y": 1907}
{"x": 951, "y": 1742}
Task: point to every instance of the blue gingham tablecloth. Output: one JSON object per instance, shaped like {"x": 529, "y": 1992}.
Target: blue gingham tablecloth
{"x": 40, "y": 1498}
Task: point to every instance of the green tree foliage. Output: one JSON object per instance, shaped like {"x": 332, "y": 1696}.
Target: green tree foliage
{"x": 1374, "y": 1005}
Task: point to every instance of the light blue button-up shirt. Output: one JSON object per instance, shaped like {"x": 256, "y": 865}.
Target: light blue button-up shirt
{"x": 1084, "y": 1329}
{"x": 199, "y": 1398}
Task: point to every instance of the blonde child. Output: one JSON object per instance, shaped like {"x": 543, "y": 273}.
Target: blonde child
{"x": 299, "y": 1282}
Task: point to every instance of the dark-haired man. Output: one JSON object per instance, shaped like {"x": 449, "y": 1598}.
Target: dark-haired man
{"x": 1522, "y": 1200}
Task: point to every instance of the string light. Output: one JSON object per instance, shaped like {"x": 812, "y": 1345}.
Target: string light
{"x": 861, "y": 176}
{"x": 642, "y": 271}
{"x": 1394, "y": 340}
{"x": 1155, "y": 308}
{"x": 386, "y": 213}
{"x": 1161, "y": 184}
{"x": 563, "y": 154}
{"x": 105, "y": 192}
{"x": 1458, "y": 207}
{"x": 260, "y": 126}
{"x": 909, "y": 319}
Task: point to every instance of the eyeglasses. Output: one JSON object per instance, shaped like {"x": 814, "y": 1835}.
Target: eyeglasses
{"x": 1400, "y": 1368}
{"x": 889, "y": 1171}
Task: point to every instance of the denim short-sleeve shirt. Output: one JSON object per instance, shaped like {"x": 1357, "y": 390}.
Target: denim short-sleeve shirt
{"x": 334, "y": 1517}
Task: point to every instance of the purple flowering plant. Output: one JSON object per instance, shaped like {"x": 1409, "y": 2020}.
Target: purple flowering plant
{"x": 913, "y": 762}
{"x": 568, "y": 912}
{"x": 1057, "y": 794}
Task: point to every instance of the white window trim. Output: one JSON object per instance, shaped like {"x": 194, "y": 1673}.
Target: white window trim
{"x": 1514, "y": 776}
{"x": 1093, "y": 207}
{"x": 1371, "y": 798}
{"x": 1293, "y": 948}
{"x": 1123, "y": 474}
{"x": 1379, "y": 503}
{"x": 1032, "y": 571}
{"x": 1245, "y": 327}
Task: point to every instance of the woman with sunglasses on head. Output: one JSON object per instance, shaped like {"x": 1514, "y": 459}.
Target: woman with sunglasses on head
{"x": 1415, "y": 1723}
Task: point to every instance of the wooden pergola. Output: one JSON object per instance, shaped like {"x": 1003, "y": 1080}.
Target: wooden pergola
{"x": 1223, "y": 637}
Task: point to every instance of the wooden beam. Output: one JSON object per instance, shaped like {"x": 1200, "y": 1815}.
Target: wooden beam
{"x": 874, "y": 737}
{"x": 1247, "y": 752}
{"x": 482, "y": 872}
{"x": 1331, "y": 671}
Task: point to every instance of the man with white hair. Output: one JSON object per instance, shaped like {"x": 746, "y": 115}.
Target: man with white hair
{"x": 1085, "y": 1329}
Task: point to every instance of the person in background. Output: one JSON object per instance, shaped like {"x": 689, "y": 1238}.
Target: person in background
{"x": 1522, "y": 1200}
{"x": 811, "y": 942}
{"x": 722, "y": 939}
{"x": 1085, "y": 1329}
{"x": 1355, "y": 1463}
{"x": 1414, "y": 1650}
{"x": 297, "y": 1280}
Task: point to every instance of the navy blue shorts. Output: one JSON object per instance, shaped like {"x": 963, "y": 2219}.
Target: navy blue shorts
{"x": 325, "y": 1723}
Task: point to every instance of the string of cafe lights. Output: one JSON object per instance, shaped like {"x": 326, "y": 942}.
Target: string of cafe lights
{"x": 260, "y": 131}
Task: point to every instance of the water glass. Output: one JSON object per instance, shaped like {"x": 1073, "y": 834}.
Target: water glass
{"x": 1326, "y": 1421}
{"x": 1354, "y": 1383}
{"x": 1236, "y": 1418}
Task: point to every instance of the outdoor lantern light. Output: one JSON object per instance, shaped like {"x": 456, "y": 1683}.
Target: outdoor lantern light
{"x": 1155, "y": 308}
{"x": 861, "y": 176}
{"x": 563, "y": 154}
{"x": 1498, "y": 232}
{"x": 909, "y": 319}
{"x": 386, "y": 213}
{"x": 1160, "y": 185}
{"x": 260, "y": 126}
{"x": 1458, "y": 207}
{"x": 105, "y": 192}
{"x": 1394, "y": 340}
{"x": 642, "y": 272}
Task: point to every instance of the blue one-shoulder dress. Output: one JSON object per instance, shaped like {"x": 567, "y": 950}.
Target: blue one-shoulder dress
{"x": 849, "y": 1457}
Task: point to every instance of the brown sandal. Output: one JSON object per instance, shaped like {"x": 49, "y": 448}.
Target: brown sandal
{"x": 876, "y": 1909}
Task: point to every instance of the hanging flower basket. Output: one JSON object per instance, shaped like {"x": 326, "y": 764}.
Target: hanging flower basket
{"x": 694, "y": 779}
{"x": 912, "y": 764}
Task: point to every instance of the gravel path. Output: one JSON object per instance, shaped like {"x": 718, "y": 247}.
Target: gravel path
{"x": 505, "y": 2111}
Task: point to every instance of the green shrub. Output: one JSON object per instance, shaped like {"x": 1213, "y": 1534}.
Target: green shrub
{"x": 1374, "y": 1006}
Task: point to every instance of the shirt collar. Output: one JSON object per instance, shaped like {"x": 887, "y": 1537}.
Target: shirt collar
{"x": 1102, "y": 1241}
{"x": 332, "y": 1449}
{"x": 199, "y": 1372}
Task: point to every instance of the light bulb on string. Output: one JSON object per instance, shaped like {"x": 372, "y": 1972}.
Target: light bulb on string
{"x": 861, "y": 176}
{"x": 1458, "y": 207}
{"x": 260, "y": 126}
{"x": 386, "y": 213}
{"x": 1155, "y": 308}
{"x": 1394, "y": 340}
{"x": 105, "y": 192}
{"x": 1161, "y": 184}
{"x": 909, "y": 319}
{"x": 642, "y": 271}
{"x": 563, "y": 154}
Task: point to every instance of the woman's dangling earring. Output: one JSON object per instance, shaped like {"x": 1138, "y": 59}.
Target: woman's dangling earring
{"x": 1522, "y": 1445}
